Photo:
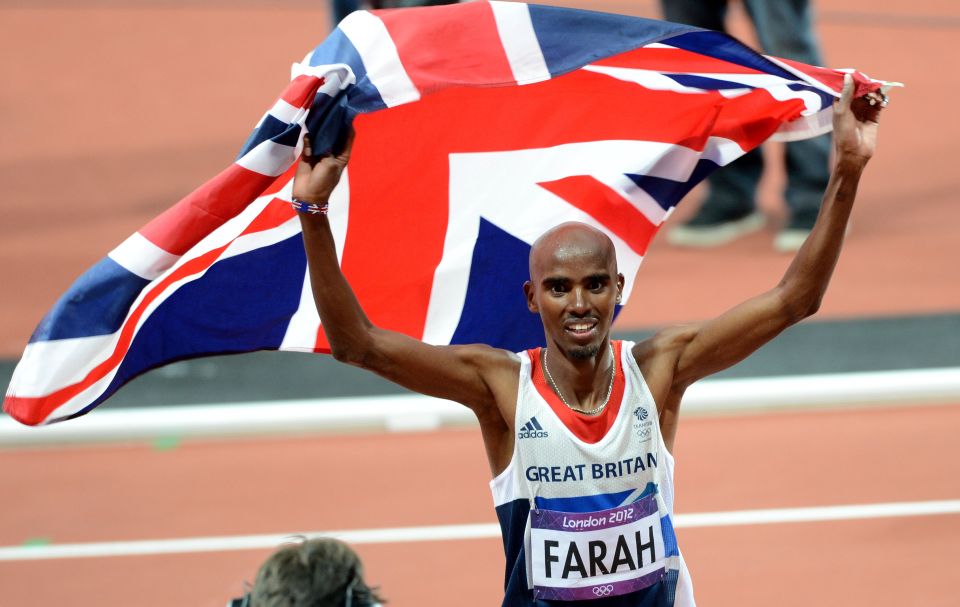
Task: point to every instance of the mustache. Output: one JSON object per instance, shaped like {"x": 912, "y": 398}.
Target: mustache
{"x": 573, "y": 318}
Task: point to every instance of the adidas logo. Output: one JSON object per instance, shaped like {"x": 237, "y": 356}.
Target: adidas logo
{"x": 532, "y": 429}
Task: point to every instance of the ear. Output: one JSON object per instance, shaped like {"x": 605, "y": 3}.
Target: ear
{"x": 620, "y": 282}
{"x": 531, "y": 302}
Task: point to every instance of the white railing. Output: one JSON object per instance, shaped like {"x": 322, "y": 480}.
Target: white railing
{"x": 418, "y": 413}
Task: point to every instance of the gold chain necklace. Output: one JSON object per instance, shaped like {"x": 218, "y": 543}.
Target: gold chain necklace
{"x": 598, "y": 410}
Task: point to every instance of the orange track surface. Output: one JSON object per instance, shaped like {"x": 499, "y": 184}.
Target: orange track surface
{"x": 112, "y": 493}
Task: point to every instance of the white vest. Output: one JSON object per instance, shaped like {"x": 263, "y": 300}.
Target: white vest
{"x": 553, "y": 468}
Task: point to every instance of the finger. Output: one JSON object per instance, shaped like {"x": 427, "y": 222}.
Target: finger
{"x": 307, "y": 149}
{"x": 878, "y": 98}
{"x": 350, "y": 137}
{"x": 344, "y": 143}
{"x": 874, "y": 97}
{"x": 846, "y": 95}
{"x": 866, "y": 109}
{"x": 872, "y": 112}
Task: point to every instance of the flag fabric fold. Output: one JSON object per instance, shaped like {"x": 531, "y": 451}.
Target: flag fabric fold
{"x": 479, "y": 126}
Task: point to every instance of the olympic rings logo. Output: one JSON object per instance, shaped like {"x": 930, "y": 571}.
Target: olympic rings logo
{"x": 603, "y": 590}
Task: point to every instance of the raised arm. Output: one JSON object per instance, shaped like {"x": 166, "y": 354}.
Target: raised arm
{"x": 679, "y": 356}
{"x": 473, "y": 375}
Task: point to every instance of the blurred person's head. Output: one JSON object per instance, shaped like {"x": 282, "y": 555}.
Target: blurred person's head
{"x": 320, "y": 572}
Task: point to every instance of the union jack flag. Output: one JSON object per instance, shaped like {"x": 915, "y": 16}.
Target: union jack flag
{"x": 479, "y": 126}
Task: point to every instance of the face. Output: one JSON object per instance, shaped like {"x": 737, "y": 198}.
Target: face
{"x": 574, "y": 286}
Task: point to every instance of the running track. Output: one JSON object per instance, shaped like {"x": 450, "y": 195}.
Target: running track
{"x": 726, "y": 463}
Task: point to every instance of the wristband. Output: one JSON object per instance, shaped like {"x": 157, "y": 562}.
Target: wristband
{"x": 312, "y": 208}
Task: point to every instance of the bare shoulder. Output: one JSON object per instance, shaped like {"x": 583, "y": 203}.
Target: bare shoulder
{"x": 658, "y": 355}
{"x": 493, "y": 363}
{"x": 483, "y": 355}
{"x": 498, "y": 368}
{"x": 664, "y": 347}
{"x": 474, "y": 375}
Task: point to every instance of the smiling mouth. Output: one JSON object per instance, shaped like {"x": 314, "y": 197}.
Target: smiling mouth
{"x": 580, "y": 326}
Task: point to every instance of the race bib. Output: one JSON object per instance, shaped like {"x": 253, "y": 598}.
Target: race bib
{"x": 580, "y": 556}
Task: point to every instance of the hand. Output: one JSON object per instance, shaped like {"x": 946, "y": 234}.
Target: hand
{"x": 855, "y": 123}
{"x": 316, "y": 178}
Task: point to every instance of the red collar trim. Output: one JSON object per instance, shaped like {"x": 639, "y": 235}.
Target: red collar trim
{"x": 588, "y": 428}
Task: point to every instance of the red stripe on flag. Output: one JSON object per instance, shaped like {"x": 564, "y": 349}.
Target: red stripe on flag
{"x": 280, "y": 182}
{"x": 607, "y": 206}
{"x": 752, "y": 118}
{"x": 834, "y": 79}
{"x": 301, "y": 91}
{"x": 35, "y": 410}
{"x": 205, "y": 209}
{"x": 443, "y": 45}
{"x": 276, "y": 213}
{"x": 383, "y": 257}
{"x": 674, "y": 60}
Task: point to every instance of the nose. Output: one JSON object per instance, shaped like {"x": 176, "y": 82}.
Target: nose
{"x": 578, "y": 301}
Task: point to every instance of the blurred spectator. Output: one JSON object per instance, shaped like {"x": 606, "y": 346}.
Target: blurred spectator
{"x": 320, "y": 572}
{"x": 784, "y": 29}
{"x": 342, "y": 8}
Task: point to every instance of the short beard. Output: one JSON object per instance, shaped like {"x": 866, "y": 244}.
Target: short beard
{"x": 584, "y": 352}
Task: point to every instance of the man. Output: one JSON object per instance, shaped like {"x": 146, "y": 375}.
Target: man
{"x": 319, "y": 572}
{"x": 784, "y": 29}
{"x": 578, "y": 435}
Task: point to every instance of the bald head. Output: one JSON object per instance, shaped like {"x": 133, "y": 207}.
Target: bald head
{"x": 574, "y": 286}
{"x": 568, "y": 242}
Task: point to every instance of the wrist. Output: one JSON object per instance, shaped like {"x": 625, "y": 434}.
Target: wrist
{"x": 309, "y": 207}
{"x": 308, "y": 196}
{"x": 850, "y": 162}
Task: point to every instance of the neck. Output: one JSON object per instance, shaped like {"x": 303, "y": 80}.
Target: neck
{"x": 583, "y": 382}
